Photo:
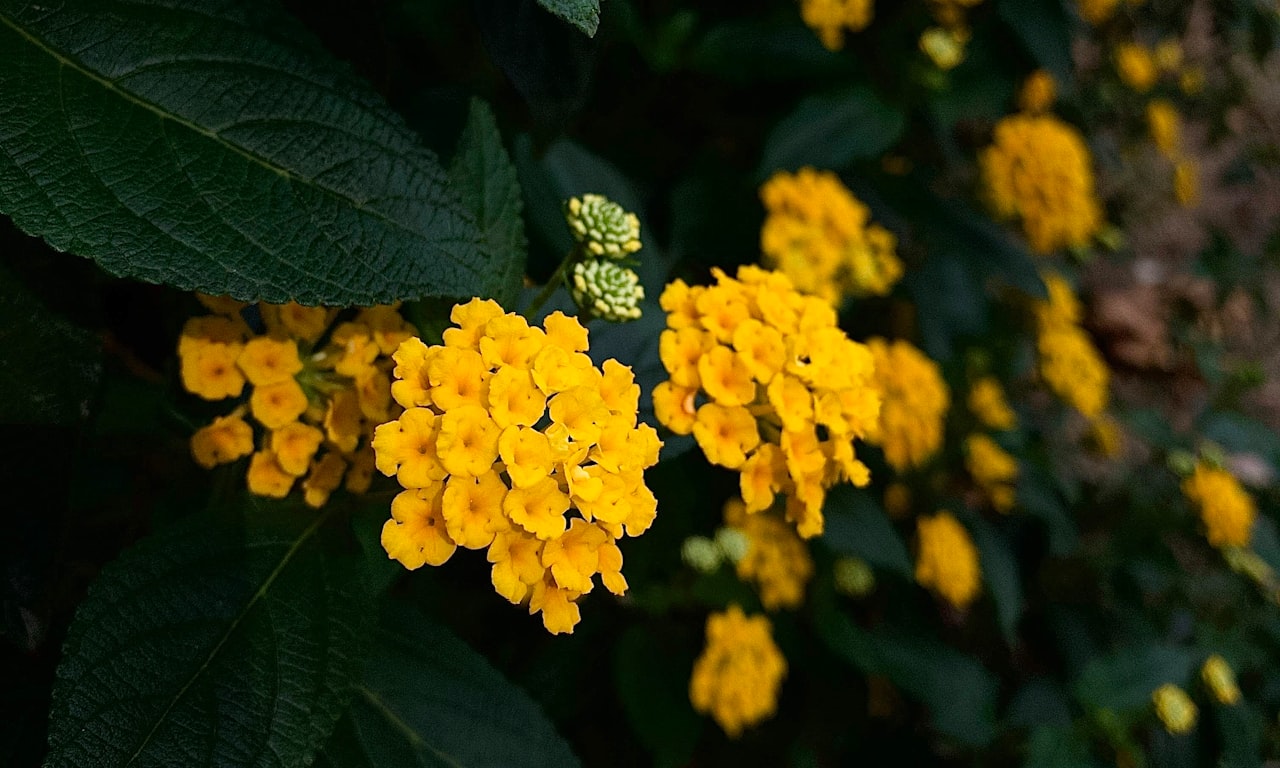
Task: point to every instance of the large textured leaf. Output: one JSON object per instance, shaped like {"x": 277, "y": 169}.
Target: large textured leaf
{"x": 583, "y": 14}
{"x": 652, "y": 675}
{"x": 486, "y": 178}
{"x": 48, "y": 367}
{"x": 196, "y": 144}
{"x": 429, "y": 700}
{"x": 212, "y": 645}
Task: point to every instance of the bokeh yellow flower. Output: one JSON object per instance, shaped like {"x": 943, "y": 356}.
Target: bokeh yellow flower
{"x": 1175, "y": 709}
{"x": 1039, "y": 171}
{"x": 914, "y": 405}
{"x": 1037, "y": 93}
{"x": 1225, "y": 506}
{"x": 737, "y": 678}
{"x": 947, "y": 562}
{"x": 777, "y": 561}
{"x": 1220, "y": 680}
{"x": 830, "y": 19}
{"x": 993, "y": 469}
{"x": 1136, "y": 67}
{"x": 988, "y": 404}
{"x": 507, "y": 429}
{"x": 819, "y": 235}
{"x": 1070, "y": 364}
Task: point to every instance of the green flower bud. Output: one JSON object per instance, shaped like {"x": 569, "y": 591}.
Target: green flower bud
{"x": 602, "y": 226}
{"x": 1181, "y": 462}
{"x": 733, "y": 543}
{"x": 854, "y": 577}
{"x": 701, "y": 554}
{"x": 607, "y": 290}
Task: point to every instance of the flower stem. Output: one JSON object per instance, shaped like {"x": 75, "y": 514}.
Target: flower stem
{"x": 554, "y": 282}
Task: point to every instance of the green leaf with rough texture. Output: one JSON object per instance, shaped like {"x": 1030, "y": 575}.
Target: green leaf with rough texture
{"x": 832, "y": 130}
{"x": 484, "y": 175}
{"x": 858, "y": 526}
{"x": 49, "y": 368}
{"x": 429, "y": 700}
{"x": 212, "y": 644}
{"x": 201, "y": 146}
{"x": 583, "y": 14}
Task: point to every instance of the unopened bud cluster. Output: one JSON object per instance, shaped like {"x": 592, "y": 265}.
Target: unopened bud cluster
{"x": 599, "y": 282}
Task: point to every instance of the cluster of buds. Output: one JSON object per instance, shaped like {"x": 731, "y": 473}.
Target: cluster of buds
{"x": 599, "y": 278}
{"x": 315, "y": 391}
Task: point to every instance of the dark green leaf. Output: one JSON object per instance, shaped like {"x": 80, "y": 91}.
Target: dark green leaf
{"x": 49, "y": 368}
{"x": 999, "y": 574}
{"x": 429, "y": 700}
{"x": 832, "y": 130}
{"x": 858, "y": 526}
{"x": 653, "y": 683}
{"x": 1041, "y": 25}
{"x": 1038, "y": 496}
{"x": 1240, "y": 730}
{"x": 486, "y": 178}
{"x": 1057, "y": 746}
{"x": 196, "y": 145}
{"x": 583, "y": 14}
{"x": 1126, "y": 679}
{"x": 212, "y": 644}
{"x": 748, "y": 51}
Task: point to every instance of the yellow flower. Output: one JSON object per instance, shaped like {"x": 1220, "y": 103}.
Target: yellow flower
{"x": 1225, "y": 507}
{"x": 1165, "y": 126}
{"x": 993, "y": 469}
{"x": 737, "y": 677}
{"x": 1186, "y": 183}
{"x": 225, "y": 440}
{"x": 1097, "y": 11}
{"x": 775, "y": 374}
{"x": 512, "y": 429}
{"x": 517, "y": 563}
{"x": 1039, "y": 170}
{"x": 777, "y": 560}
{"x": 1136, "y": 67}
{"x": 1073, "y": 369}
{"x": 1062, "y": 307}
{"x": 987, "y": 402}
{"x": 829, "y": 19}
{"x": 265, "y": 360}
{"x": 1106, "y": 436}
{"x": 817, "y": 234}
{"x": 1220, "y": 679}
{"x": 1175, "y": 709}
{"x": 221, "y": 305}
{"x": 914, "y": 403}
{"x": 416, "y": 534}
{"x": 944, "y": 46}
{"x": 266, "y": 477}
{"x": 324, "y": 479}
{"x": 948, "y": 561}
{"x": 315, "y": 404}
{"x": 1037, "y": 93}
{"x": 294, "y": 445}
{"x": 472, "y": 508}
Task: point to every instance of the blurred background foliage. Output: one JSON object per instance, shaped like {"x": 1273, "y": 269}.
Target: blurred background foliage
{"x": 1098, "y": 584}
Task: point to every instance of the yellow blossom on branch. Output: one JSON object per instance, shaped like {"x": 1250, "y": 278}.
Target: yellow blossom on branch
{"x": 1038, "y": 170}
{"x": 768, "y": 385}
{"x": 914, "y": 406}
{"x": 989, "y": 405}
{"x": 830, "y": 19}
{"x": 818, "y": 234}
{"x": 1225, "y": 507}
{"x": 507, "y": 429}
{"x": 993, "y": 469}
{"x": 1069, "y": 362}
{"x": 1136, "y": 67}
{"x": 737, "y": 677}
{"x": 947, "y": 562}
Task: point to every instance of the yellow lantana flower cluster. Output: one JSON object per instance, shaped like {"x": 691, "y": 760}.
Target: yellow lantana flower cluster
{"x": 1175, "y": 709}
{"x": 1225, "y": 507}
{"x": 948, "y": 561}
{"x": 1136, "y": 66}
{"x": 507, "y": 428}
{"x": 784, "y": 392}
{"x": 993, "y": 469}
{"x": 914, "y": 405}
{"x": 737, "y": 677}
{"x": 988, "y": 404}
{"x": 317, "y": 404}
{"x": 830, "y": 19}
{"x": 1039, "y": 171}
{"x": 1069, "y": 362}
{"x": 777, "y": 561}
{"x": 1220, "y": 679}
{"x": 818, "y": 235}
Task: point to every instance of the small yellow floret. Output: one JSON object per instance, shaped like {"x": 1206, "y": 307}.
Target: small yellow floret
{"x": 1220, "y": 679}
{"x": 830, "y": 19}
{"x": 294, "y": 445}
{"x": 225, "y": 440}
{"x": 993, "y": 469}
{"x": 737, "y": 677}
{"x": 914, "y": 399}
{"x": 1037, "y": 93}
{"x": 267, "y": 478}
{"x": 1225, "y": 507}
{"x": 1175, "y": 709}
{"x": 1136, "y": 67}
{"x": 948, "y": 561}
{"x": 987, "y": 402}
